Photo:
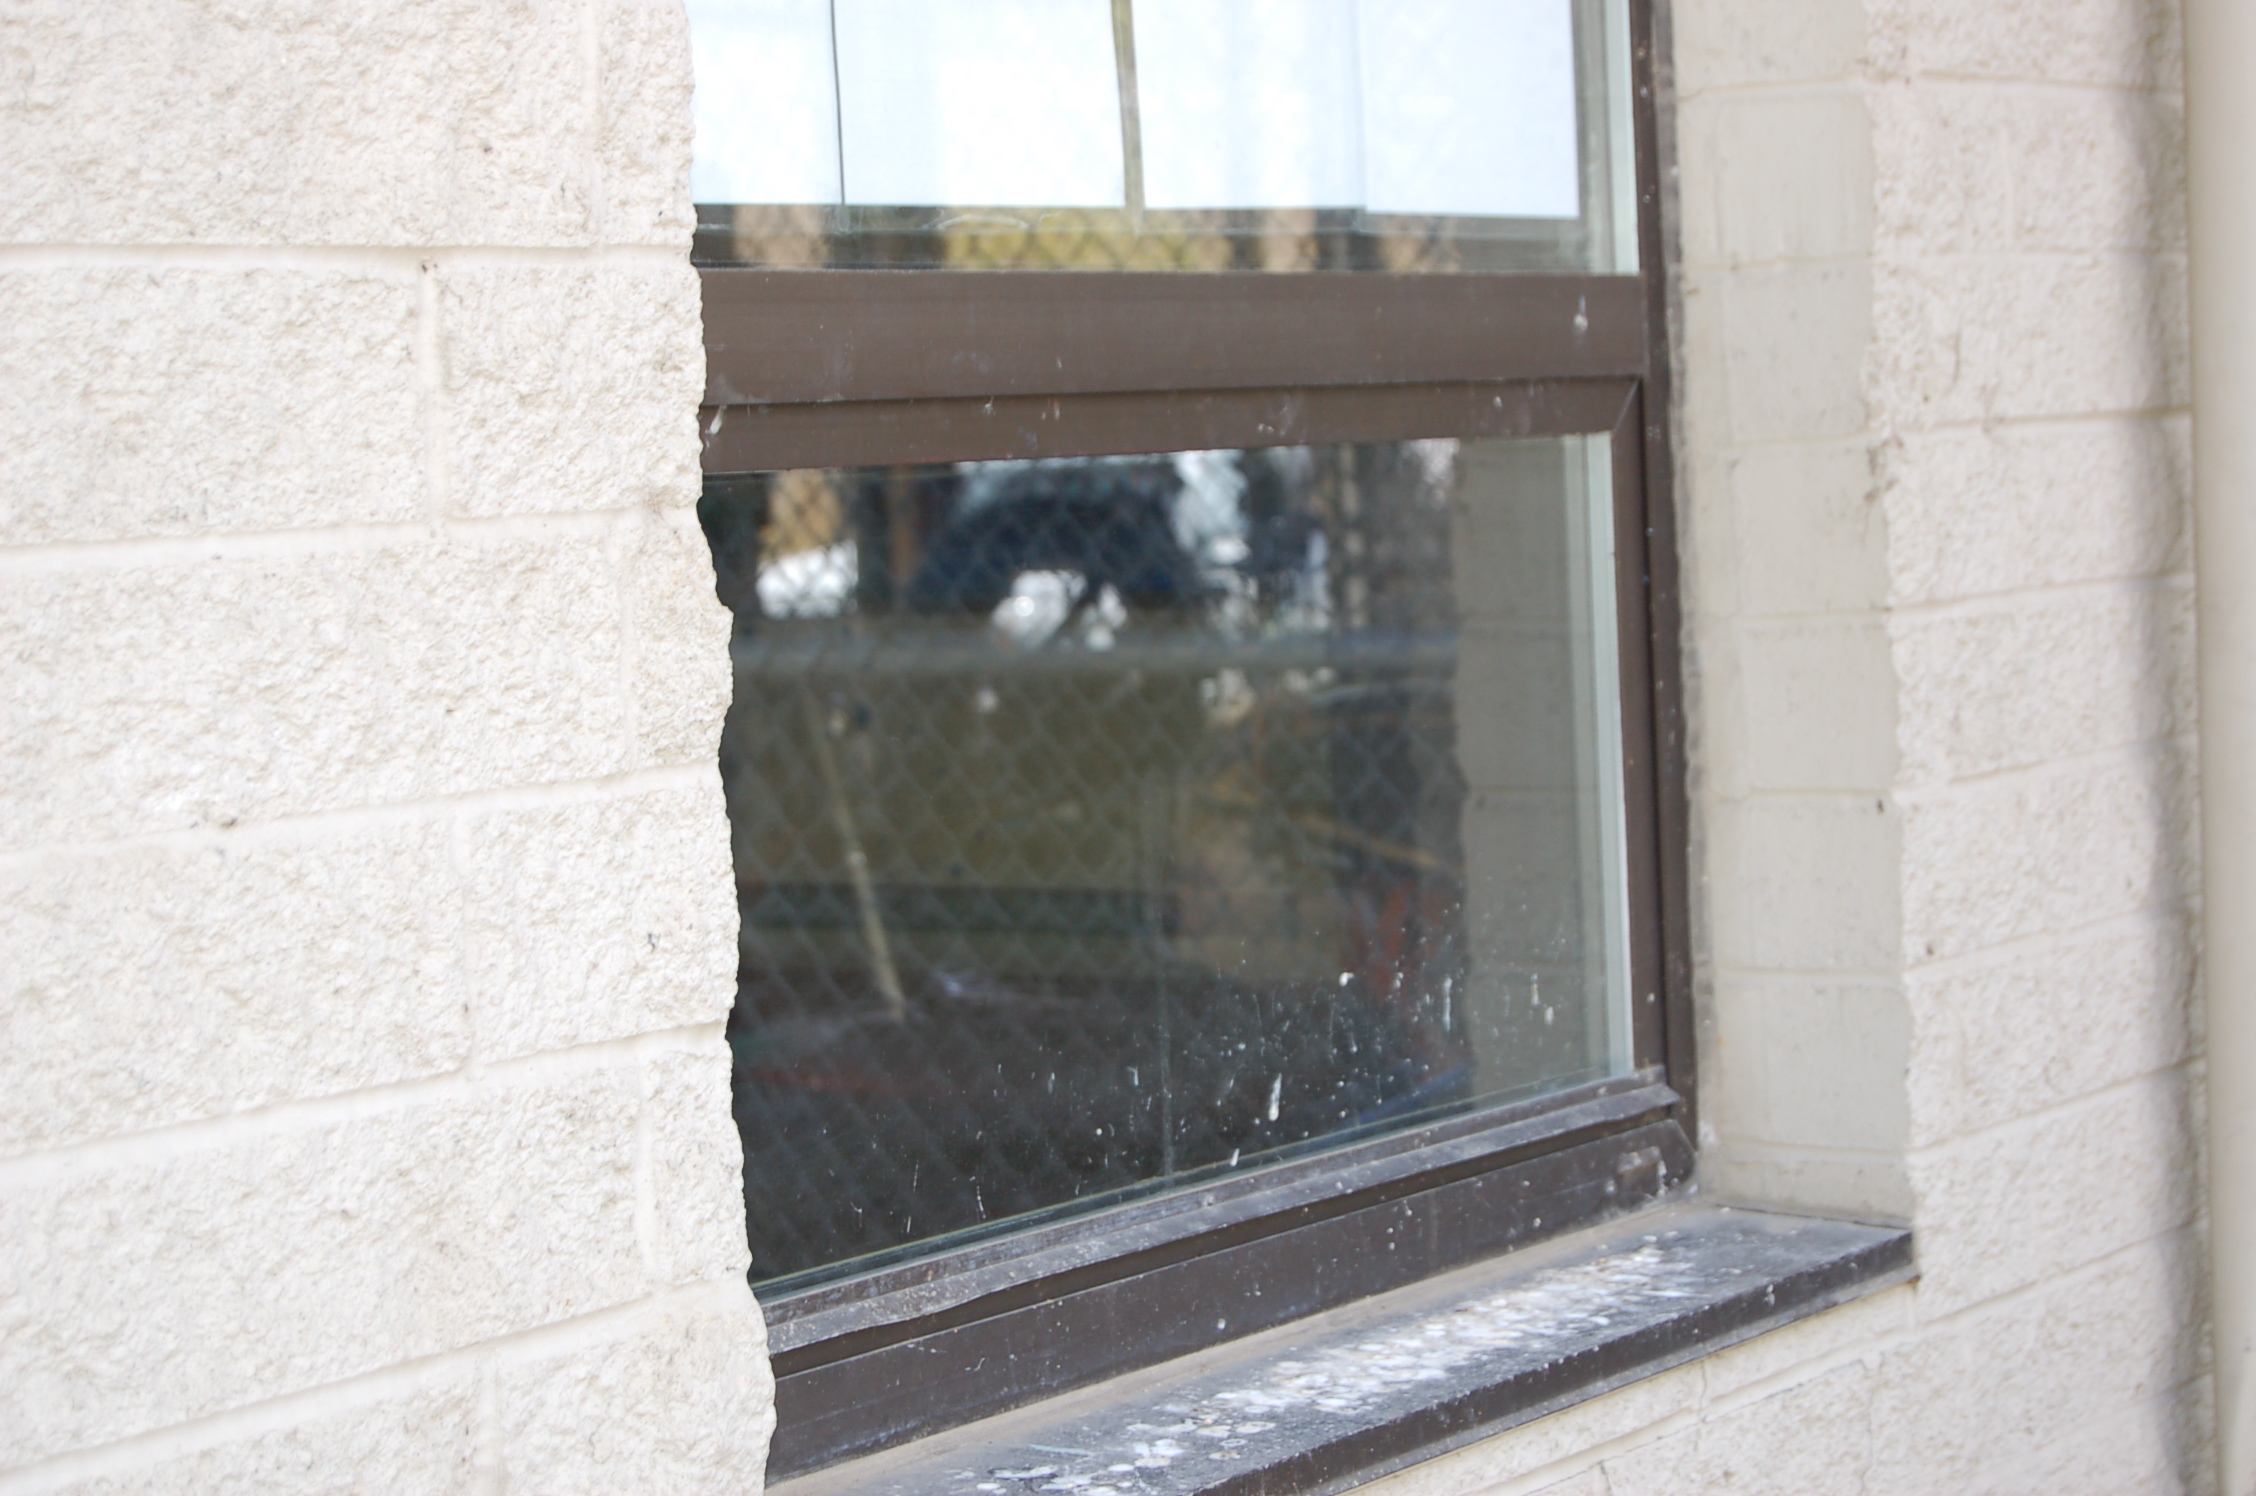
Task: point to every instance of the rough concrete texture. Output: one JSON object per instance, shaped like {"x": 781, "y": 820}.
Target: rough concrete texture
{"x": 295, "y": 1258}
{"x": 366, "y": 922}
{"x": 424, "y": 1440}
{"x": 272, "y": 122}
{"x": 1935, "y": 484}
{"x": 561, "y": 399}
{"x": 194, "y": 400}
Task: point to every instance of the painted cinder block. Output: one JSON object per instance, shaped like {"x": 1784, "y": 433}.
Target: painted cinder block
{"x": 1790, "y": 173}
{"x": 594, "y": 919}
{"x": 1791, "y": 529}
{"x": 681, "y": 1407}
{"x": 1976, "y": 510}
{"x": 531, "y": 661}
{"x": 1814, "y": 705}
{"x": 1947, "y": 185}
{"x": 2021, "y": 681}
{"x": 2047, "y": 850}
{"x": 346, "y": 816}
{"x": 1974, "y": 339}
{"x": 1529, "y": 1458}
{"x": 696, "y": 1162}
{"x": 159, "y": 1284}
{"x": 418, "y": 1442}
{"x": 442, "y": 122}
{"x": 2116, "y": 160}
{"x": 1770, "y": 41}
{"x": 2004, "y": 1397}
{"x": 160, "y": 698}
{"x": 1811, "y": 1064}
{"x": 1989, "y": 168}
{"x": 677, "y": 660}
{"x": 2163, "y": 1443}
{"x": 1805, "y": 1348}
{"x": 2126, "y": 43}
{"x": 2043, "y": 1195}
{"x": 328, "y": 957}
{"x": 570, "y": 387}
{"x": 1863, "y": 1184}
{"x": 1809, "y": 1439}
{"x": 2111, "y": 1003}
{"x": 140, "y": 401}
{"x": 1586, "y": 1483}
{"x": 1785, "y": 347}
{"x": 1805, "y": 883}
{"x": 642, "y": 138}
{"x": 151, "y": 985}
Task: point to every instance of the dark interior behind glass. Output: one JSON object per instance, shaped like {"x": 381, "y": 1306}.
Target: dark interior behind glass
{"x": 1100, "y": 822}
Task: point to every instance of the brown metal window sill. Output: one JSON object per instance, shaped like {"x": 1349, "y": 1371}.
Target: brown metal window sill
{"x": 887, "y": 1357}
{"x": 1326, "y": 1403}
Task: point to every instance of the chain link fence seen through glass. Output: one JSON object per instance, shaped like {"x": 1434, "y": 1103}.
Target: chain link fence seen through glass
{"x": 1102, "y": 822}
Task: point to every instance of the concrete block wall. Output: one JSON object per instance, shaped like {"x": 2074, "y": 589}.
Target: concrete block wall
{"x": 1934, "y": 448}
{"x": 365, "y": 909}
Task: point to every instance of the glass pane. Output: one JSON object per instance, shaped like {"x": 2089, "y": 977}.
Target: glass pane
{"x": 767, "y": 109}
{"x": 1446, "y": 81}
{"x": 1100, "y": 823}
{"x": 979, "y": 101}
{"x": 1253, "y": 105}
{"x": 1408, "y": 135}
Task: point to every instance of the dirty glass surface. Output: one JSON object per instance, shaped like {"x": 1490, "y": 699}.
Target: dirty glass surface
{"x": 1104, "y": 823}
{"x": 1399, "y": 135}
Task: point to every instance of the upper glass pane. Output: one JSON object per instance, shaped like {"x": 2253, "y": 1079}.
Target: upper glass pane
{"x": 1405, "y": 135}
{"x": 1101, "y": 823}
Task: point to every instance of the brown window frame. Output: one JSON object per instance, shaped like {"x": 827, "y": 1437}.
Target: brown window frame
{"x": 833, "y": 368}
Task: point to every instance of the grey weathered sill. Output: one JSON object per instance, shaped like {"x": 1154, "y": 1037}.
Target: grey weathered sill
{"x": 1326, "y": 1403}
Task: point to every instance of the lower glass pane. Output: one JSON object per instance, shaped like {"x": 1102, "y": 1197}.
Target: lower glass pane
{"x": 1101, "y": 823}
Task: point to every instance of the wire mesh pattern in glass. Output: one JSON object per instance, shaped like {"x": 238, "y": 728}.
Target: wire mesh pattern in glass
{"x": 1104, "y": 822}
{"x": 1164, "y": 134}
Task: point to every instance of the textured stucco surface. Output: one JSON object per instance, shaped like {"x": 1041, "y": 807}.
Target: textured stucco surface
{"x": 1935, "y": 482}
{"x": 366, "y": 923}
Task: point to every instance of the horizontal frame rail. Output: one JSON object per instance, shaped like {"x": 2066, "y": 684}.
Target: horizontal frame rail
{"x": 761, "y": 438}
{"x": 817, "y": 336}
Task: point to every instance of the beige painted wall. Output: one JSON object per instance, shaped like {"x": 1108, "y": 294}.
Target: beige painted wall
{"x": 365, "y": 913}
{"x": 363, "y": 888}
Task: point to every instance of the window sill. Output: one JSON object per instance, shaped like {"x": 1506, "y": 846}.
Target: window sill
{"x": 1328, "y": 1402}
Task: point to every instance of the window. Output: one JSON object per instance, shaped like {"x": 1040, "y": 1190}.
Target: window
{"x": 1404, "y": 135}
{"x": 1202, "y": 768}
